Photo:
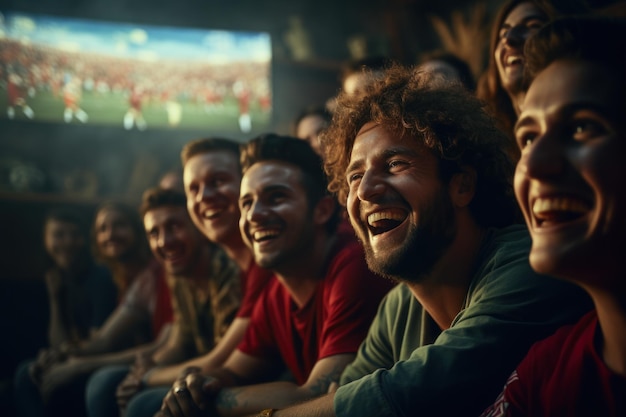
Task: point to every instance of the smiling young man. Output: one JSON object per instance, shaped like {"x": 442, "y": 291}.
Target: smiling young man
{"x": 313, "y": 317}
{"x": 570, "y": 185}
{"x": 429, "y": 194}
{"x": 206, "y": 295}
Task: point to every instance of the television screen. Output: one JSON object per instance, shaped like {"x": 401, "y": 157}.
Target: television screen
{"x": 134, "y": 76}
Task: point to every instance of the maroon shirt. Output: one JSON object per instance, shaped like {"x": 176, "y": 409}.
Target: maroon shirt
{"x": 334, "y": 321}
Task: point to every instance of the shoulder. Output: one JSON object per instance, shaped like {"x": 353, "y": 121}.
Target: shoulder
{"x": 564, "y": 342}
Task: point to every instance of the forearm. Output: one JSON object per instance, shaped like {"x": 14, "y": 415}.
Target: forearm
{"x": 125, "y": 357}
{"x": 57, "y": 332}
{"x": 165, "y": 375}
{"x": 319, "y": 407}
{"x": 229, "y": 342}
{"x": 251, "y": 399}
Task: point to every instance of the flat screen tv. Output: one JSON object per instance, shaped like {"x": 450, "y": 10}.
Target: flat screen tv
{"x": 134, "y": 76}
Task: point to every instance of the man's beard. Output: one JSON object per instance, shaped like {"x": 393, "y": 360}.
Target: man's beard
{"x": 425, "y": 245}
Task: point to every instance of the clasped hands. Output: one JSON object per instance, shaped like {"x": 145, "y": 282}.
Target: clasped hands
{"x": 192, "y": 395}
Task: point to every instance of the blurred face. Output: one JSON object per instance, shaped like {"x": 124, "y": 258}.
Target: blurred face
{"x": 212, "y": 182}
{"x": 115, "y": 236}
{"x": 64, "y": 243}
{"x": 571, "y": 177}
{"x": 523, "y": 21}
{"x": 397, "y": 204}
{"x": 276, "y": 220}
{"x": 310, "y": 128}
{"x": 174, "y": 240}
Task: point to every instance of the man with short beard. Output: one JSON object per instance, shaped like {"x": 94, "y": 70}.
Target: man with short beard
{"x": 312, "y": 318}
{"x": 206, "y": 295}
{"x": 427, "y": 187}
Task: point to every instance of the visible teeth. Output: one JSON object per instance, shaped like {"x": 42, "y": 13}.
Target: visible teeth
{"x": 264, "y": 234}
{"x": 385, "y": 215}
{"x": 514, "y": 59}
{"x": 210, "y": 213}
{"x": 544, "y": 205}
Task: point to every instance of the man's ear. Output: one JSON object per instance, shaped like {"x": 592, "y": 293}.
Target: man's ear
{"x": 463, "y": 186}
{"x": 324, "y": 210}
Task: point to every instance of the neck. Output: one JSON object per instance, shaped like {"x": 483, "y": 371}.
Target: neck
{"x": 442, "y": 293}
{"x": 516, "y": 101}
{"x": 611, "y": 309}
{"x": 238, "y": 252}
{"x": 302, "y": 274}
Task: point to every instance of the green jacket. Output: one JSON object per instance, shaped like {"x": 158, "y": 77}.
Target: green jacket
{"x": 408, "y": 367}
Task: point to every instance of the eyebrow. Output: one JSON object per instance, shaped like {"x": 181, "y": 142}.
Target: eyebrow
{"x": 570, "y": 109}
{"x": 268, "y": 189}
{"x": 506, "y": 25}
{"x": 386, "y": 154}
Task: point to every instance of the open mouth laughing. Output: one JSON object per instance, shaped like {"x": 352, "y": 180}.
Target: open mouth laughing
{"x": 385, "y": 220}
{"x": 555, "y": 210}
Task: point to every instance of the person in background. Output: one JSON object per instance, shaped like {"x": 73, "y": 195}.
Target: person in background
{"x": 501, "y": 84}
{"x": 206, "y": 295}
{"x": 449, "y": 66}
{"x": 428, "y": 189}
{"x": 51, "y": 386}
{"x": 356, "y": 74}
{"x": 172, "y": 180}
{"x": 310, "y": 123}
{"x": 313, "y": 317}
{"x": 570, "y": 184}
{"x": 81, "y": 293}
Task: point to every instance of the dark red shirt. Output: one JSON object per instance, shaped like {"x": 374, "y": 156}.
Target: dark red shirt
{"x": 564, "y": 375}
{"x": 334, "y": 321}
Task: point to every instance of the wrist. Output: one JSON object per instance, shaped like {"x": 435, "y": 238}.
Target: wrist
{"x": 145, "y": 379}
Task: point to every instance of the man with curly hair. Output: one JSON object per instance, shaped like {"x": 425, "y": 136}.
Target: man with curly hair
{"x": 427, "y": 185}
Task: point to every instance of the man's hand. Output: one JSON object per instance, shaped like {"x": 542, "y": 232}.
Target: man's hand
{"x": 191, "y": 396}
{"x": 46, "y": 359}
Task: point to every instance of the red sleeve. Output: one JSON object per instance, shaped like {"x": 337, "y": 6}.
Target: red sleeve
{"x": 163, "y": 313}
{"x": 253, "y": 281}
{"x": 259, "y": 339}
{"x": 352, "y": 298}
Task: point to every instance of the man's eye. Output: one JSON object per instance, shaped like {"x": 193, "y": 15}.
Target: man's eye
{"x": 396, "y": 164}
{"x": 244, "y": 204}
{"x": 525, "y": 138}
{"x": 277, "y": 198}
{"x": 354, "y": 177}
{"x": 586, "y": 129}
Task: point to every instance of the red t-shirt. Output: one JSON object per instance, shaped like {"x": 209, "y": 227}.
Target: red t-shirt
{"x": 563, "y": 375}
{"x": 334, "y": 321}
{"x": 253, "y": 282}
{"x": 163, "y": 313}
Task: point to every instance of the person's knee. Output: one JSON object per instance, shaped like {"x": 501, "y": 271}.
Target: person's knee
{"x": 100, "y": 391}
{"x": 146, "y": 403}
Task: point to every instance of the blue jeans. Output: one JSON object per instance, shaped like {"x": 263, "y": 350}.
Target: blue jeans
{"x": 100, "y": 393}
{"x": 147, "y": 402}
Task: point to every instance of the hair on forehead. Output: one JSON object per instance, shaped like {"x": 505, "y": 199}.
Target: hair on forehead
{"x": 157, "y": 197}
{"x": 208, "y": 145}
{"x": 569, "y": 39}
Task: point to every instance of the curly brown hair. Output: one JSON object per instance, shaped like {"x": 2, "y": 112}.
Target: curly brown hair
{"x": 447, "y": 119}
